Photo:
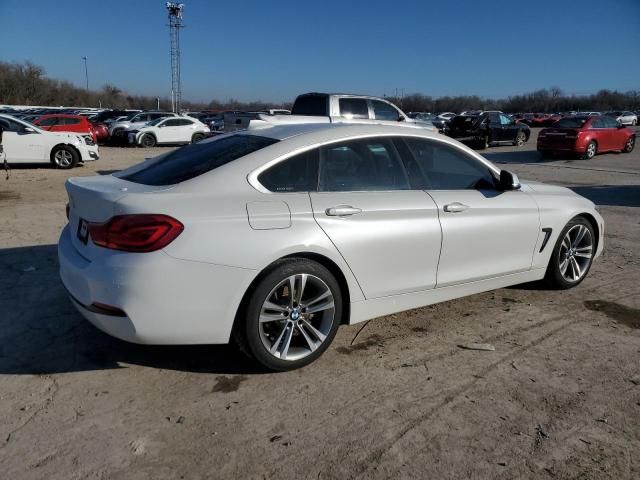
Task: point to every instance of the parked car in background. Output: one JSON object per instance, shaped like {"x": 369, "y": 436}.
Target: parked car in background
{"x": 487, "y": 128}
{"x": 275, "y": 237}
{"x": 446, "y": 116}
{"x": 586, "y": 136}
{"x": 169, "y": 130}
{"x": 24, "y": 142}
{"x": 624, "y": 117}
{"x": 424, "y": 116}
{"x": 67, "y": 123}
{"x": 330, "y": 108}
{"x": 118, "y": 130}
{"x": 588, "y": 114}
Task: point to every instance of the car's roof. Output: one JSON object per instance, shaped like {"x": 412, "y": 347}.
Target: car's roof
{"x": 335, "y": 130}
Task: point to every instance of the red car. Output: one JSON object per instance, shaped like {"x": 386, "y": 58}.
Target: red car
{"x": 67, "y": 123}
{"x": 586, "y": 136}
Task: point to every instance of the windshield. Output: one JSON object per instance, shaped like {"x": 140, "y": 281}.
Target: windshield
{"x": 571, "y": 122}
{"x": 155, "y": 122}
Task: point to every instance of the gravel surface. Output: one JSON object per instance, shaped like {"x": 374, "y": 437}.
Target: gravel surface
{"x": 393, "y": 398}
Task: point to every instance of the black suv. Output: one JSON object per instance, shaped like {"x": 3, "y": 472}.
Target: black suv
{"x": 482, "y": 129}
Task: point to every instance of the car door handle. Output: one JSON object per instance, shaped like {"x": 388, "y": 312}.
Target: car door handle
{"x": 455, "y": 207}
{"x": 342, "y": 211}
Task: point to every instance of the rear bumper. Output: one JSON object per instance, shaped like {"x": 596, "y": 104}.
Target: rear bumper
{"x": 556, "y": 146}
{"x": 165, "y": 300}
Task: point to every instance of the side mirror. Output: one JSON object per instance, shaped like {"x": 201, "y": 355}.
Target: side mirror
{"x": 28, "y": 130}
{"x": 620, "y": 126}
{"x": 508, "y": 181}
{"x": 400, "y": 118}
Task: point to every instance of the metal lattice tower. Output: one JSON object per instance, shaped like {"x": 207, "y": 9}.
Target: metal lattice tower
{"x": 175, "y": 24}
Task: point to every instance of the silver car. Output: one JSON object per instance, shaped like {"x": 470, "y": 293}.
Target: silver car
{"x": 275, "y": 237}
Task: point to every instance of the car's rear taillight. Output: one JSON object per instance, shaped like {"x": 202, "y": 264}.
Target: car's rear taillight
{"x": 136, "y": 233}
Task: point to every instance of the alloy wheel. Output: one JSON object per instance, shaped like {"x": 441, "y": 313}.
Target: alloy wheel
{"x": 296, "y": 317}
{"x": 63, "y": 158}
{"x": 520, "y": 139}
{"x": 628, "y": 147}
{"x": 575, "y": 253}
{"x": 591, "y": 150}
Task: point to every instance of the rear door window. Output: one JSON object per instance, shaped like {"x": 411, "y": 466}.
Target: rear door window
{"x": 296, "y": 174}
{"x": 193, "y": 160}
{"x": 354, "y": 108}
{"x": 361, "y": 165}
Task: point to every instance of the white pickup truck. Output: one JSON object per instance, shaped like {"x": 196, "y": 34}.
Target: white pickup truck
{"x": 329, "y": 108}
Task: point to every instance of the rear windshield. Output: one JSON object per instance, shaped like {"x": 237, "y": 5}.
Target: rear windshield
{"x": 310, "y": 105}
{"x": 193, "y": 160}
{"x": 571, "y": 122}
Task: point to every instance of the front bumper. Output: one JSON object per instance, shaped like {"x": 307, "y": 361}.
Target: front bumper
{"x": 89, "y": 153}
{"x": 165, "y": 300}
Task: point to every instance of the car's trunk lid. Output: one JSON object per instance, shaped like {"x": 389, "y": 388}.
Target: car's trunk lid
{"x": 95, "y": 200}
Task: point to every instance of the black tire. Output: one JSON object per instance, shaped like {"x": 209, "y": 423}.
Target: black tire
{"x": 629, "y": 144}
{"x": 521, "y": 139}
{"x": 553, "y": 276}
{"x": 590, "y": 151}
{"x": 545, "y": 154}
{"x": 247, "y": 330}
{"x": 197, "y": 137}
{"x": 483, "y": 143}
{"x": 64, "y": 157}
{"x": 148, "y": 140}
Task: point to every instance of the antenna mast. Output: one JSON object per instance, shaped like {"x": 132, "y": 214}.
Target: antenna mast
{"x": 175, "y": 24}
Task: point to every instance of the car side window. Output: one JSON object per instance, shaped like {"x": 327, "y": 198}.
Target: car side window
{"x": 48, "y": 122}
{"x": 597, "y": 123}
{"x": 384, "y": 111}
{"x": 354, "y": 108}
{"x": 295, "y": 174}
{"x": 610, "y": 122}
{"x": 447, "y": 168}
{"x": 171, "y": 123}
{"x": 504, "y": 120}
{"x": 361, "y": 165}
{"x": 71, "y": 121}
{"x": 184, "y": 121}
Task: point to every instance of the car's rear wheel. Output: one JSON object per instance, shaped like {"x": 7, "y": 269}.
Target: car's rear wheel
{"x": 572, "y": 255}
{"x": 291, "y": 316}
{"x": 590, "y": 151}
{"x": 197, "y": 137}
{"x": 64, "y": 157}
{"x": 521, "y": 138}
{"x": 629, "y": 145}
{"x": 148, "y": 140}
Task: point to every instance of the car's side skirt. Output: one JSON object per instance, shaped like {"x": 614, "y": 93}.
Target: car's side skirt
{"x": 378, "y": 307}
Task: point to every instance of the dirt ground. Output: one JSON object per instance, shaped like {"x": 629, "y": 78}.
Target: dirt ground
{"x": 559, "y": 398}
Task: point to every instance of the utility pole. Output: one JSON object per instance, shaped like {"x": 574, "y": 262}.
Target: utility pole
{"x": 86, "y": 72}
{"x": 175, "y": 24}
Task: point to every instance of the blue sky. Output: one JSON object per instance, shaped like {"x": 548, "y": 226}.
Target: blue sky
{"x": 273, "y": 50}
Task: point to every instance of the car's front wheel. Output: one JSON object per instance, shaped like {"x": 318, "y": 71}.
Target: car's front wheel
{"x": 64, "y": 157}
{"x": 572, "y": 255}
{"x": 148, "y": 140}
{"x": 291, "y": 316}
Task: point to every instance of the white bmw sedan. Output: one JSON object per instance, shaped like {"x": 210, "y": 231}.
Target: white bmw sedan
{"x": 275, "y": 237}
